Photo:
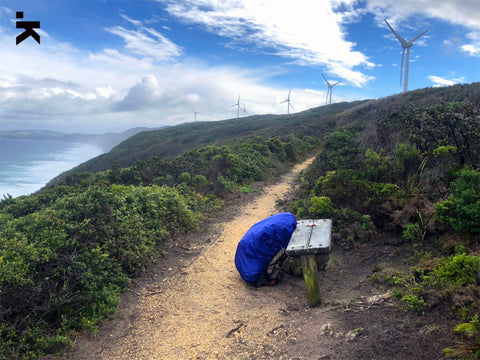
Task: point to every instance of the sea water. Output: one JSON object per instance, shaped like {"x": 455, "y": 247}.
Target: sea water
{"x": 27, "y": 165}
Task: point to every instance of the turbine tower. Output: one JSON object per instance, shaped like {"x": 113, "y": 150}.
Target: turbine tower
{"x": 195, "y": 114}
{"x": 288, "y": 101}
{"x": 238, "y": 106}
{"x": 330, "y": 88}
{"x": 406, "y": 45}
{"x": 244, "y": 110}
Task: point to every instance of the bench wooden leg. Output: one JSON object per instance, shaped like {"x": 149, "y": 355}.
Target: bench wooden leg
{"x": 310, "y": 274}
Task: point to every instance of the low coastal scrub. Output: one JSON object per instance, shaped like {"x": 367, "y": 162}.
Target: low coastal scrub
{"x": 68, "y": 252}
{"x": 62, "y": 267}
{"x": 410, "y": 175}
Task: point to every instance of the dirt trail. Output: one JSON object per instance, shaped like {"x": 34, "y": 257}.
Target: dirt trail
{"x": 194, "y": 305}
{"x": 205, "y": 311}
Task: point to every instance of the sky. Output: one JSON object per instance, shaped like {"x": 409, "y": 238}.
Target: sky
{"x": 110, "y": 65}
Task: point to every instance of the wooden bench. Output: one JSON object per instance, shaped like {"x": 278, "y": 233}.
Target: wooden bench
{"x": 310, "y": 239}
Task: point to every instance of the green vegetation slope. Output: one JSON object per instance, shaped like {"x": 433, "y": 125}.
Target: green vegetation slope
{"x": 67, "y": 252}
{"x": 173, "y": 141}
{"x": 405, "y": 170}
{"x": 402, "y": 168}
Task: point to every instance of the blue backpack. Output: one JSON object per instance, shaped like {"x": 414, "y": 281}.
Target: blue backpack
{"x": 261, "y": 251}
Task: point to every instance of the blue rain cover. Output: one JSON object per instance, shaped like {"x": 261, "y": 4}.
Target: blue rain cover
{"x": 261, "y": 243}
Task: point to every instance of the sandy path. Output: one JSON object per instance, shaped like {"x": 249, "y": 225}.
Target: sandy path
{"x": 206, "y": 311}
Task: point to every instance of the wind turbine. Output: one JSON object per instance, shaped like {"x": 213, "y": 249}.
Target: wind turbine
{"x": 288, "y": 101}
{"x": 330, "y": 88}
{"x": 244, "y": 110}
{"x": 238, "y": 106}
{"x": 195, "y": 114}
{"x": 406, "y": 45}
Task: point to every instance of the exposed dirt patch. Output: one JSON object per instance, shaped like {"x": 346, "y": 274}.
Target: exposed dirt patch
{"x": 194, "y": 304}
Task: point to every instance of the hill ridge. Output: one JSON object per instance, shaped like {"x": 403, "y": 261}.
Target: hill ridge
{"x": 173, "y": 141}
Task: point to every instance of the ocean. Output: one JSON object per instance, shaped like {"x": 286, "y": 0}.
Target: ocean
{"x": 27, "y": 165}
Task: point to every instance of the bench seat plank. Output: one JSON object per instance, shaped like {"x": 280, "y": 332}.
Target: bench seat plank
{"x": 311, "y": 236}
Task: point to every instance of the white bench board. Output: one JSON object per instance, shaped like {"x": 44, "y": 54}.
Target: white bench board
{"x": 311, "y": 236}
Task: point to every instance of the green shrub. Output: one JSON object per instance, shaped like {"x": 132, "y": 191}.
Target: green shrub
{"x": 365, "y": 223}
{"x": 412, "y": 232}
{"x": 374, "y": 279}
{"x": 185, "y": 177}
{"x": 448, "y": 129}
{"x": 200, "y": 180}
{"x": 414, "y": 303}
{"x": 343, "y": 217}
{"x": 62, "y": 268}
{"x": 444, "y": 151}
{"x": 321, "y": 206}
{"x": 406, "y": 155}
{"x": 459, "y": 270}
{"x": 471, "y": 331}
{"x": 462, "y": 209}
{"x": 376, "y": 166}
{"x": 277, "y": 148}
{"x": 339, "y": 150}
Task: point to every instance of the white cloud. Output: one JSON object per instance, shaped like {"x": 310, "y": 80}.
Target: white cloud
{"x": 459, "y": 12}
{"x": 170, "y": 94}
{"x": 105, "y": 92}
{"x": 130, "y": 20}
{"x": 147, "y": 94}
{"x": 145, "y": 82}
{"x": 148, "y": 81}
{"x": 55, "y": 86}
{"x": 147, "y": 42}
{"x": 440, "y": 81}
{"x": 473, "y": 48}
{"x": 308, "y": 32}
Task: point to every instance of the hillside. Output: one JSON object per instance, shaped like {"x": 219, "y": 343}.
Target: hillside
{"x": 398, "y": 176}
{"x": 173, "y": 141}
{"x": 403, "y": 172}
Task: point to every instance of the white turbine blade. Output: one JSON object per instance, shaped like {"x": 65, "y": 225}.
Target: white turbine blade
{"x": 415, "y": 38}
{"x": 238, "y": 102}
{"x": 284, "y": 101}
{"x": 402, "y": 40}
{"x": 326, "y": 81}
{"x": 338, "y": 82}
